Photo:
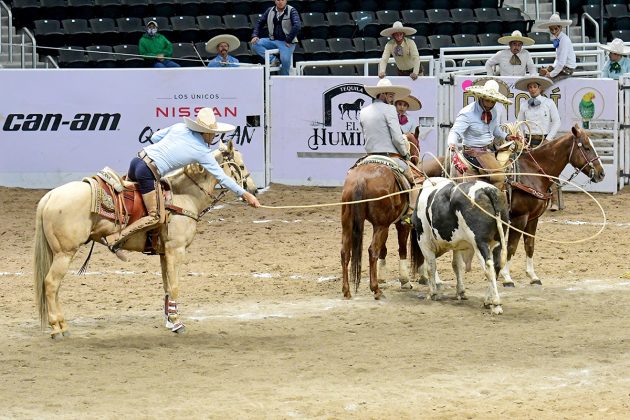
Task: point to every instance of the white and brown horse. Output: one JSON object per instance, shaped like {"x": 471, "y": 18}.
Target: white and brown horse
{"x": 64, "y": 222}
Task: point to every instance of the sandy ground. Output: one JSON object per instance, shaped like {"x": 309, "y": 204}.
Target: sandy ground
{"x": 269, "y": 335}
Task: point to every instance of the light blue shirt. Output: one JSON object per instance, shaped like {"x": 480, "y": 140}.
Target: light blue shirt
{"x": 177, "y": 146}
{"x": 219, "y": 62}
{"x": 624, "y": 62}
{"x": 472, "y": 131}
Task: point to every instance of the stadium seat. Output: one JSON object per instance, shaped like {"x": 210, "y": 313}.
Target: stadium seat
{"x": 391, "y": 69}
{"x": 593, "y": 10}
{"x": 441, "y": 22}
{"x": 314, "y": 25}
{"x": 315, "y": 49}
{"x": 466, "y": 21}
{"x": 346, "y": 6}
{"x": 77, "y": 32}
{"x": 25, "y": 12}
{"x": 106, "y": 8}
{"x": 418, "y": 4}
{"x": 370, "y": 5}
{"x": 264, "y": 32}
{"x": 465, "y": 40}
{"x": 344, "y": 70}
{"x": 135, "y": 8}
{"x": 201, "y": 49}
{"x": 48, "y": 33}
{"x": 185, "y": 29}
{"x": 513, "y": 20}
{"x": 101, "y": 56}
{"x": 486, "y": 3}
{"x": 243, "y": 54}
{"x": 54, "y": 9}
{"x": 441, "y": 4}
{"x": 316, "y": 71}
{"x": 615, "y": 9}
{"x": 622, "y": 23}
{"x": 105, "y": 32}
{"x": 391, "y": 5}
{"x": 210, "y": 26}
{"x": 368, "y": 47}
{"x": 489, "y": 20}
{"x": 416, "y": 19}
{"x": 131, "y": 29}
{"x": 313, "y": 6}
{"x": 214, "y": 7}
{"x": 298, "y": 54}
{"x": 465, "y": 4}
{"x": 188, "y": 53}
{"x": 366, "y": 22}
{"x": 127, "y": 56}
{"x": 540, "y": 37}
{"x": 342, "y": 48}
{"x": 242, "y": 7}
{"x": 72, "y": 57}
{"x": 422, "y": 43}
{"x": 621, "y": 34}
{"x": 238, "y": 25}
{"x": 340, "y": 25}
{"x": 386, "y": 18}
{"x": 188, "y": 7}
{"x": 83, "y": 9}
{"x": 439, "y": 41}
{"x": 164, "y": 8}
{"x": 488, "y": 40}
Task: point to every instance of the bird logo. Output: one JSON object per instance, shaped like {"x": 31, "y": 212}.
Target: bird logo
{"x": 587, "y": 108}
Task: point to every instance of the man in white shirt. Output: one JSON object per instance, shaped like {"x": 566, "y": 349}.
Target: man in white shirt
{"x": 543, "y": 119}
{"x": 515, "y": 61}
{"x": 565, "y": 62}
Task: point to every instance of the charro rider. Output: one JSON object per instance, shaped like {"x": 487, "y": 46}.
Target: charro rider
{"x": 175, "y": 147}
{"x": 477, "y": 125}
{"x": 382, "y": 132}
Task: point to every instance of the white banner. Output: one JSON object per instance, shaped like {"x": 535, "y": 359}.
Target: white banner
{"x": 315, "y": 131}
{"x": 590, "y": 103}
{"x": 60, "y": 125}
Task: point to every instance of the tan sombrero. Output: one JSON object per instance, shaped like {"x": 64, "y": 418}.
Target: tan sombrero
{"x": 384, "y": 85}
{"x": 231, "y": 40}
{"x": 516, "y": 36}
{"x": 398, "y": 27}
{"x": 490, "y": 90}
{"x": 616, "y": 46}
{"x": 207, "y": 123}
{"x": 543, "y": 82}
{"x": 554, "y": 20}
{"x": 413, "y": 102}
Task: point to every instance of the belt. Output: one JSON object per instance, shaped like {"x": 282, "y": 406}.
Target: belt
{"x": 391, "y": 155}
{"x": 150, "y": 164}
{"x": 536, "y": 136}
{"x": 477, "y": 149}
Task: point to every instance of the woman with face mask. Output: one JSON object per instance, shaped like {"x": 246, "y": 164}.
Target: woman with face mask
{"x": 565, "y": 62}
{"x": 157, "y": 47}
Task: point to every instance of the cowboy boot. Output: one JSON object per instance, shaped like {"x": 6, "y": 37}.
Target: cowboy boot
{"x": 143, "y": 224}
{"x": 553, "y": 205}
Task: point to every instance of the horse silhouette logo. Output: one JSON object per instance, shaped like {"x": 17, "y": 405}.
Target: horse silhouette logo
{"x": 354, "y": 106}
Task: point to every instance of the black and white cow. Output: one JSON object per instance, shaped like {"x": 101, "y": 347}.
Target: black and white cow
{"x": 467, "y": 218}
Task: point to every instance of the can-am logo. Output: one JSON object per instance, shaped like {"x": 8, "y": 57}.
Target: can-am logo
{"x": 52, "y": 122}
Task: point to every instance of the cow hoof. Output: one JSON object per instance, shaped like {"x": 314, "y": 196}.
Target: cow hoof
{"x": 406, "y": 286}
{"x": 508, "y": 284}
{"x": 436, "y": 297}
{"x": 57, "y": 335}
{"x": 536, "y": 282}
{"x": 66, "y": 333}
{"x": 462, "y": 296}
{"x": 378, "y": 295}
{"x": 497, "y": 310}
{"x": 423, "y": 282}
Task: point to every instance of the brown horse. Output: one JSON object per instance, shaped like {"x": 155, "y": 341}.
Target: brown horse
{"x": 573, "y": 148}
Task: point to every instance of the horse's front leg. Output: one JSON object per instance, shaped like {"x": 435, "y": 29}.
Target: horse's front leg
{"x": 379, "y": 237}
{"x": 403, "y": 230}
{"x": 529, "y": 241}
{"x": 381, "y": 266}
{"x": 512, "y": 244}
{"x": 171, "y": 262}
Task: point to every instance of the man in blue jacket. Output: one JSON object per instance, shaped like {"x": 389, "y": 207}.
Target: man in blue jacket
{"x": 283, "y": 22}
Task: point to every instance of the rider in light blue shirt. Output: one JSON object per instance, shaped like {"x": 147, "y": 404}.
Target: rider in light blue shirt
{"x": 222, "y": 45}
{"x": 617, "y": 64}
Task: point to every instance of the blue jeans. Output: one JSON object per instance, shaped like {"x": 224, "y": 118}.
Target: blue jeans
{"x": 139, "y": 172}
{"x": 165, "y": 63}
{"x": 286, "y": 53}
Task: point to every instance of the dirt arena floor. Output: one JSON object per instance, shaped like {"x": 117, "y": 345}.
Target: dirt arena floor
{"x": 269, "y": 335}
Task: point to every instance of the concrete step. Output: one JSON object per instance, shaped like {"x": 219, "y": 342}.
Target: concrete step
{"x": 27, "y": 65}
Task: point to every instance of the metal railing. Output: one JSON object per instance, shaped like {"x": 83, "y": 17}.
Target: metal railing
{"x": 23, "y": 45}
{"x": 10, "y": 29}
{"x": 585, "y": 17}
{"x": 365, "y": 62}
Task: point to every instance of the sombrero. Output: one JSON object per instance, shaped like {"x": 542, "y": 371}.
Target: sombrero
{"x": 543, "y": 82}
{"x": 616, "y": 46}
{"x": 413, "y": 102}
{"x": 231, "y": 40}
{"x": 516, "y": 36}
{"x": 554, "y": 20}
{"x": 207, "y": 123}
{"x": 398, "y": 27}
{"x": 490, "y": 90}
{"x": 384, "y": 85}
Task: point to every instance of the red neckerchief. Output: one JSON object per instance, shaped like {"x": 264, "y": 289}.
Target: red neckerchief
{"x": 402, "y": 119}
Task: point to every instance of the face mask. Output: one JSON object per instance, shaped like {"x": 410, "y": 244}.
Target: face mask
{"x": 555, "y": 42}
{"x": 152, "y": 31}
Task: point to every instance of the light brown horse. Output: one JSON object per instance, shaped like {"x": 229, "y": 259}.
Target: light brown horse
{"x": 550, "y": 158}
{"x": 64, "y": 222}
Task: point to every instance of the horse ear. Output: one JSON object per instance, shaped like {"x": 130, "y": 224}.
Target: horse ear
{"x": 575, "y": 130}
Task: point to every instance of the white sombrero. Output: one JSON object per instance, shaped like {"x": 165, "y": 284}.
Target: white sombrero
{"x": 543, "y": 82}
{"x": 207, "y": 123}
{"x": 384, "y": 85}
{"x": 398, "y": 27}
{"x": 516, "y": 36}
{"x": 616, "y": 46}
{"x": 413, "y": 102}
{"x": 554, "y": 20}
{"x": 490, "y": 90}
{"x": 231, "y": 40}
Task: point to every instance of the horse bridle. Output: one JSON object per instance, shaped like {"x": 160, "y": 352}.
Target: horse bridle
{"x": 240, "y": 170}
{"x": 589, "y": 162}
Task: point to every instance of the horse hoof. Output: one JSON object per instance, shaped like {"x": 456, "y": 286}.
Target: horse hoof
{"x": 179, "y": 328}
{"x": 508, "y": 284}
{"x": 66, "y": 333}
{"x": 497, "y": 310}
{"x": 423, "y": 282}
{"x": 462, "y": 296}
{"x": 347, "y": 296}
{"x": 57, "y": 335}
{"x": 536, "y": 282}
{"x": 436, "y": 297}
{"x": 378, "y": 295}
{"x": 406, "y": 286}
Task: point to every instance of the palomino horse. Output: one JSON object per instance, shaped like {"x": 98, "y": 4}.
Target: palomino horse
{"x": 64, "y": 222}
{"x": 550, "y": 158}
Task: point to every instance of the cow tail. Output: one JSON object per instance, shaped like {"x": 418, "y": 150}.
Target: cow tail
{"x": 416, "y": 255}
{"x": 358, "y": 220}
{"x": 500, "y": 216}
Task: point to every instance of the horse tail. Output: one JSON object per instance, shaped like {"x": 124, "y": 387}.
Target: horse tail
{"x": 340, "y": 106}
{"x": 358, "y": 217}
{"x": 42, "y": 260}
{"x": 500, "y": 216}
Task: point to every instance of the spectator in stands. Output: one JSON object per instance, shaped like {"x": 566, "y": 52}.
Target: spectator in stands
{"x": 382, "y": 132}
{"x": 404, "y": 50}
{"x": 514, "y": 61}
{"x": 156, "y": 45}
{"x": 222, "y": 45}
{"x": 477, "y": 125}
{"x": 283, "y": 22}
{"x": 565, "y": 62}
{"x": 409, "y": 126}
{"x": 617, "y": 64}
{"x": 542, "y": 116}
{"x": 173, "y": 148}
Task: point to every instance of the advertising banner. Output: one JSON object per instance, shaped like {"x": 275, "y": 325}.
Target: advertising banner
{"x": 315, "y": 131}
{"x": 61, "y": 125}
{"x": 590, "y": 103}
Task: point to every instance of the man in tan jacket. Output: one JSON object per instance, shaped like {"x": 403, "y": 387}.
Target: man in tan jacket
{"x": 404, "y": 50}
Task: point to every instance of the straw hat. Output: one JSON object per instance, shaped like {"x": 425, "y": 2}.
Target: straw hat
{"x": 490, "y": 90}
{"x": 384, "y": 85}
{"x": 398, "y": 27}
{"x": 616, "y": 46}
{"x": 516, "y": 36}
{"x": 207, "y": 123}
{"x": 543, "y": 82}
{"x": 231, "y": 40}
{"x": 554, "y": 20}
{"x": 413, "y": 102}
